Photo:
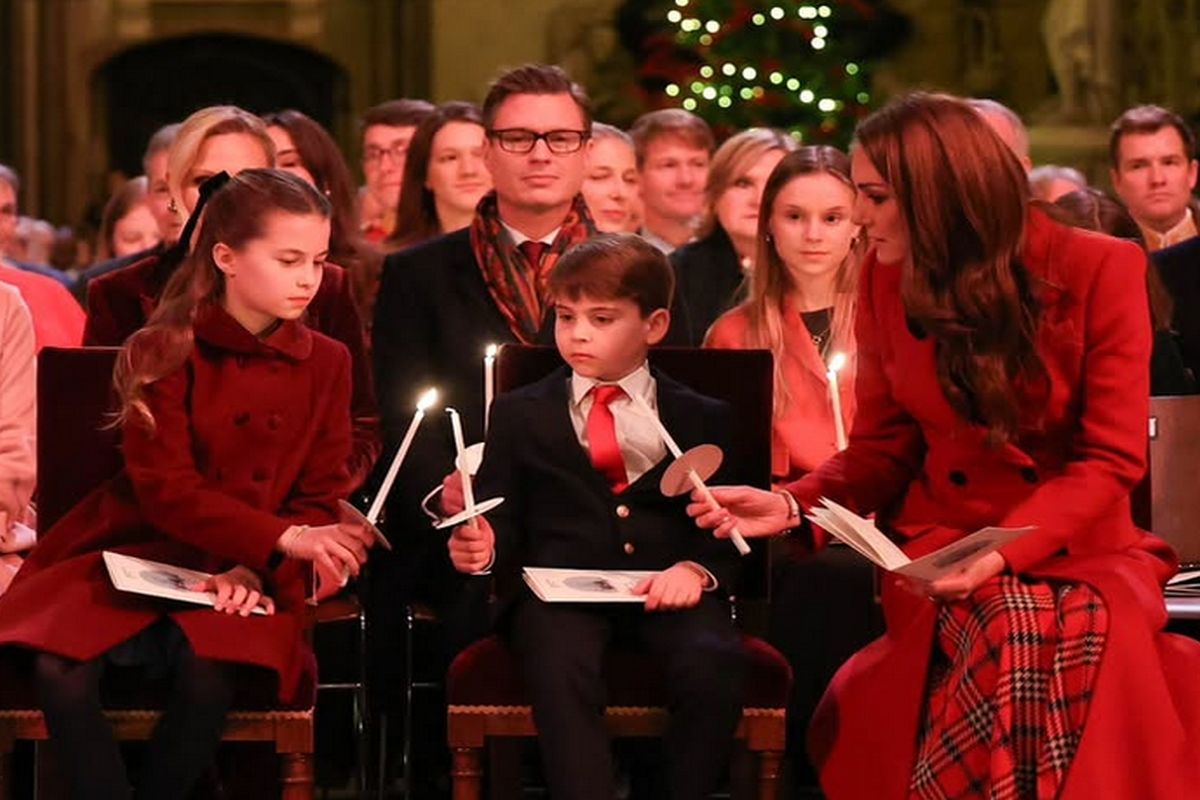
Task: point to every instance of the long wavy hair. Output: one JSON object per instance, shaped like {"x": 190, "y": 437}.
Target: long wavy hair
{"x": 964, "y": 196}
{"x": 323, "y": 160}
{"x": 416, "y": 215}
{"x": 235, "y": 215}
{"x": 771, "y": 282}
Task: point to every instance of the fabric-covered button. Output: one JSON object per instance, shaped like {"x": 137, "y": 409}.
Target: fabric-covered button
{"x": 628, "y": 548}
{"x": 274, "y": 422}
{"x": 958, "y": 477}
{"x": 623, "y": 511}
{"x": 241, "y": 418}
{"x": 1029, "y": 474}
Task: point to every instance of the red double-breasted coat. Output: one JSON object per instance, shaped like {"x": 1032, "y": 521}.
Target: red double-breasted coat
{"x": 251, "y": 436}
{"x": 802, "y": 429}
{"x": 932, "y": 477}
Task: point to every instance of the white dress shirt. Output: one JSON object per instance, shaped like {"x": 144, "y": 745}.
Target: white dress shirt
{"x": 520, "y": 238}
{"x": 1181, "y": 232}
{"x": 641, "y": 446}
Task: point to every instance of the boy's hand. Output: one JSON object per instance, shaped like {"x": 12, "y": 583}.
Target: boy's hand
{"x": 452, "y": 500}
{"x": 471, "y": 548}
{"x": 674, "y": 588}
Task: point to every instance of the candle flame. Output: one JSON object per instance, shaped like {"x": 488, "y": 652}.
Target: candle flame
{"x": 491, "y": 351}
{"x": 427, "y": 400}
{"x": 837, "y": 362}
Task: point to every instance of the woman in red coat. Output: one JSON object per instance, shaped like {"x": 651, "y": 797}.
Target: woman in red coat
{"x": 801, "y": 304}
{"x": 236, "y": 432}
{"x": 1002, "y": 380}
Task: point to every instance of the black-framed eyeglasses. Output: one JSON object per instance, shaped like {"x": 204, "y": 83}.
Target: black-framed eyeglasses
{"x": 520, "y": 140}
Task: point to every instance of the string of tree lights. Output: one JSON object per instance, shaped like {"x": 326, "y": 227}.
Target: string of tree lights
{"x": 792, "y": 64}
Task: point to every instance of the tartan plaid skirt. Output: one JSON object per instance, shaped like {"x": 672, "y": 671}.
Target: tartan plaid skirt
{"x": 1011, "y": 680}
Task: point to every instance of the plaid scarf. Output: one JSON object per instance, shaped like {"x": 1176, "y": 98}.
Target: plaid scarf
{"x": 1011, "y": 682}
{"x": 517, "y": 287}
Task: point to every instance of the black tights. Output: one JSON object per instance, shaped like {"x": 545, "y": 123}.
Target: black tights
{"x": 180, "y": 749}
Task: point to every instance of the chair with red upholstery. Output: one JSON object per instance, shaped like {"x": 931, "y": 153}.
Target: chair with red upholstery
{"x": 484, "y": 690}
{"x": 78, "y": 450}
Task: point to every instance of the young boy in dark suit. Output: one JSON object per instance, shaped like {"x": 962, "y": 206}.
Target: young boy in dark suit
{"x": 579, "y": 469}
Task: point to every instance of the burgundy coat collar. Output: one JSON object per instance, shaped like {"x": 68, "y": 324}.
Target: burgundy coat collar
{"x": 214, "y": 326}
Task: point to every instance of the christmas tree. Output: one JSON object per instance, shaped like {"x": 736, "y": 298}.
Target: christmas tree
{"x": 798, "y": 65}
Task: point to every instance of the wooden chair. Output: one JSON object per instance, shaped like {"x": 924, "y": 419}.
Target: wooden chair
{"x": 484, "y": 690}
{"x": 77, "y": 452}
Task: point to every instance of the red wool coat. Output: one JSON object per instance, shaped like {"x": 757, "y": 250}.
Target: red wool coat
{"x": 121, "y": 302}
{"x": 802, "y": 432}
{"x": 251, "y": 437}
{"x": 933, "y": 478}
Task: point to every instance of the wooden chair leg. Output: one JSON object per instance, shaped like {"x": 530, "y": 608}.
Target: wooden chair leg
{"x": 296, "y": 776}
{"x": 466, "y": 774}
{"x": 768, "y": 774}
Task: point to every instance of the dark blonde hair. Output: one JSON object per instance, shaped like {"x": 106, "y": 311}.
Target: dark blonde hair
{"x": 670, "y": 122}
{"x": 736, "y": 155}
{"x": 964, "y": 196}
{"x": 615, "y": 266}
{"x": 235, "y": 215}
{"x": 771, "y": 283}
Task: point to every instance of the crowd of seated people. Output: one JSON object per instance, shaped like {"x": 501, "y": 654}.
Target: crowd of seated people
{"x": 989, "y": 329}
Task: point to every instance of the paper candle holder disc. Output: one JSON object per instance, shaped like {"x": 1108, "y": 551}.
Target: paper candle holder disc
{"x": 352, "y": 514}
{"x": 481, "y": 508}
{"x": 705, "y": 459}
{"x": 473, "y": 456}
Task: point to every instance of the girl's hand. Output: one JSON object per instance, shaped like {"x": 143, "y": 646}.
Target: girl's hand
{"x": 238, "y": 591}
{"x": 339, "y": 548}
{"x": 960, "y": 585}
{"x": 752, "y": 511}
{"x": 674, "y": 588}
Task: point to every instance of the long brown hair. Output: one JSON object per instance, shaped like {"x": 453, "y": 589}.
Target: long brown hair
{"x": 323, "y": 160}
{"x": 123, "y": 201}
{"x": 416, "y": 214}
{"x": 235, "y": 215}
{"x": 964, "y": 196}
{"x": 771, "y": 282}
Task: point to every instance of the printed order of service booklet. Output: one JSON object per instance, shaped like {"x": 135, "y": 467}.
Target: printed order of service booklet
{"x": 861, "y": 534}
{"x": 585, "y": 585}
{"x": 153, "y": 578}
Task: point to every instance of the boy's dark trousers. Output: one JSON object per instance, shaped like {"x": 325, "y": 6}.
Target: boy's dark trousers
{"x": 562, "y": 647}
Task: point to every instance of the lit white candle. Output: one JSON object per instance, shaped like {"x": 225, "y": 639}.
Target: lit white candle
{"x": 464, "y": 473}
{"x": 489, "y": 383}
{"x": 424, "y": 403}
{"x": 835, "y": 399}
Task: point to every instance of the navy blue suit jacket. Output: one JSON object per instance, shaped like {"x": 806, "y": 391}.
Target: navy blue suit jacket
{"x": 560, "y": 512}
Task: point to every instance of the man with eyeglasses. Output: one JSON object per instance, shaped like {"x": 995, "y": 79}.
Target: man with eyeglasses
{"x": 387, "y": 130}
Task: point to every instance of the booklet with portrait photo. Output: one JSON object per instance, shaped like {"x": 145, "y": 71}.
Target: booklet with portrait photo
{"x": 153, "y": 578}
{"x": 585, "y": 585}
{"x": 862, "y": 535}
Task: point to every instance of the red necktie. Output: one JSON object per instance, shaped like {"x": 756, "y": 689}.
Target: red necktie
{"x": 602, "y": 438}
{"x": 533, "y": 252}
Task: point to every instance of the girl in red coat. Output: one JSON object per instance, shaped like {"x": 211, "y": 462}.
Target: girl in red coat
{"x": 801, "y": 304}
{"x": 1002, "y": 380}
{"x": 236, "y": 433}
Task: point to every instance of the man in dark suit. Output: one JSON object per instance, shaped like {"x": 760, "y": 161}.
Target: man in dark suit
{"x": 1179, "y": 267}
{"x": 578, "y": 458}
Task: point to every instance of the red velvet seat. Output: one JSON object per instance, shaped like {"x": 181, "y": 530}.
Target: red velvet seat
{"x": 484, "y": 691}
